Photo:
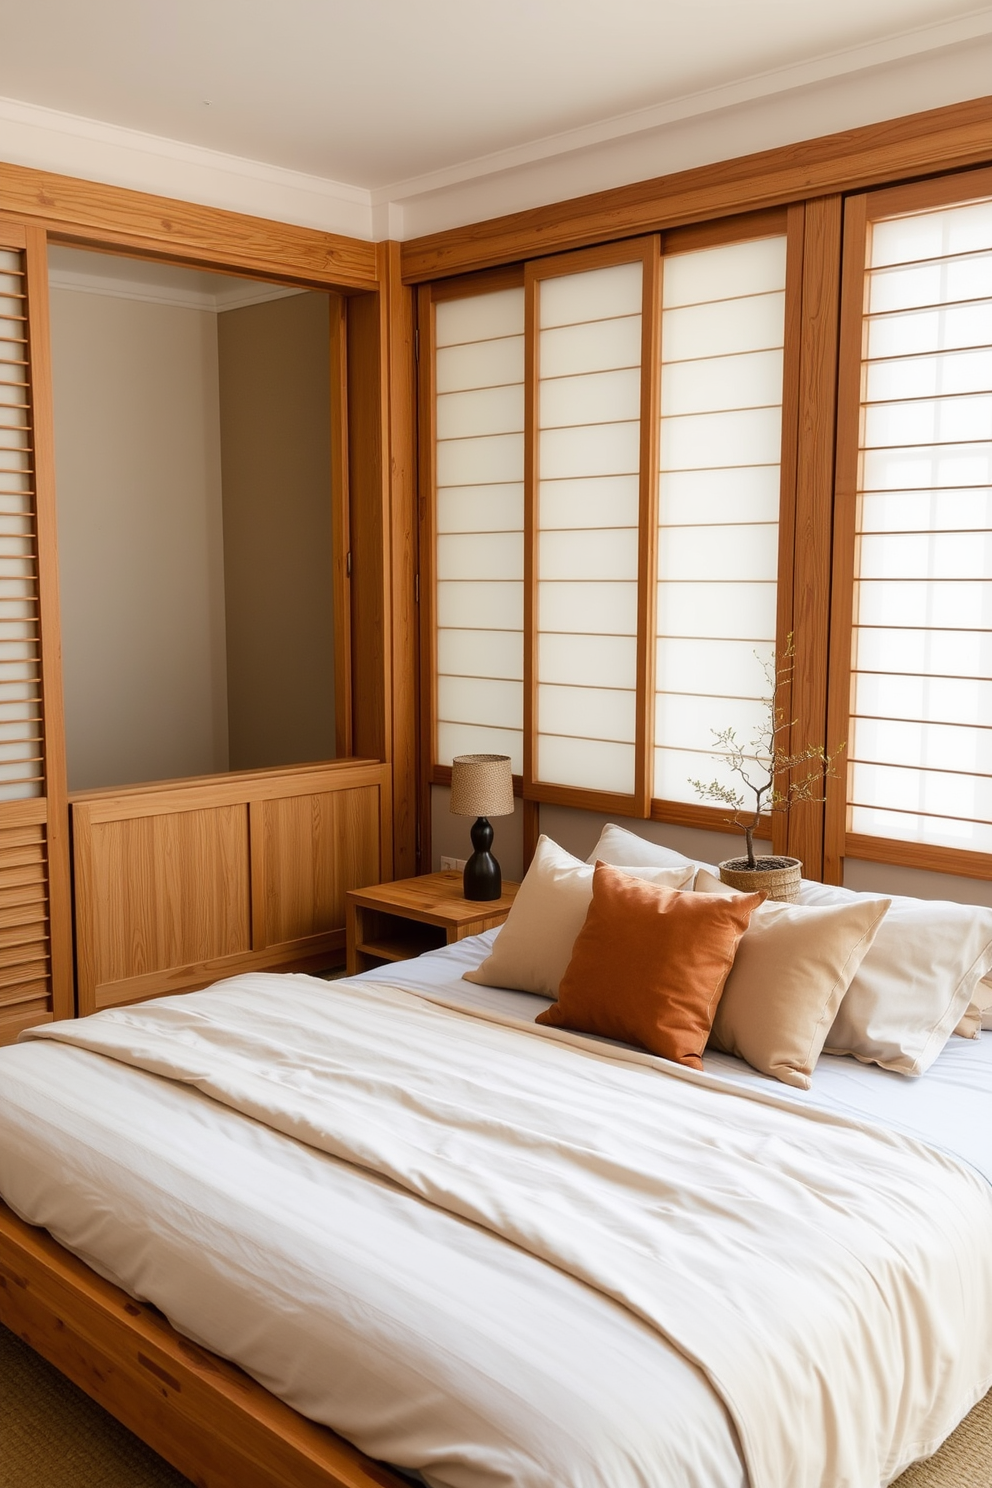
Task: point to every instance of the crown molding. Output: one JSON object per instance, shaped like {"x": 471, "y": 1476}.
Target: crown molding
{"x": 68, "y": 144}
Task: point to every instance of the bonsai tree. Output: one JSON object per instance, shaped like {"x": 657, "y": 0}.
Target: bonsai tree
{"x": 772, "y": 779}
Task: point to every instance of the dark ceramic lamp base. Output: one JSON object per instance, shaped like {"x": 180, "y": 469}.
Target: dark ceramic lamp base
{"x": 481, "y": 878}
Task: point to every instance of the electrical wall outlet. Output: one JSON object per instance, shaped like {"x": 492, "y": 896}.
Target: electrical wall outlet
{"x": 452, "y": 863}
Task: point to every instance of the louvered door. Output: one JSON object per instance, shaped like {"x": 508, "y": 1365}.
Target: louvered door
{"x": 35, "y": 944}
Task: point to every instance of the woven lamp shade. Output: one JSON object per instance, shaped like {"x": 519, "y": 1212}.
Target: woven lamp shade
{"x": 481, "y": 785}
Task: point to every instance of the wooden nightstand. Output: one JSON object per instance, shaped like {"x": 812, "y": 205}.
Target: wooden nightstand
{"x": 394, "y": 921}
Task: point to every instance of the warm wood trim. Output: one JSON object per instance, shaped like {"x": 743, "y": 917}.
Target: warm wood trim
{"x": 770, "y": 223}
{"x": 370, "y": 589}
{"x": 340, "y": 524}
{"x": 49, "y": 625}
{"x": 12, "y": 235}
{"x": 942, "y": 139}
{"x": 114, "y": 217}
{"x": 427, "y": 513}
{"x": 845, "y": 509}
{"x": 647, "y": 537}
{"x": 486, "y": 282}
{"x": 923, "y": 196}
{"x": 199, "y": 793}
{"x": 815, "y": 410}
{"x": 610, "y": 802}
{"x": 400, "y": 474}
{"x": 202, "y": 1414}
{"x": 531, "y": 830}
{"x": 706, "y": 818}
{"x": 532, "y": 474}
{"x": 30, "y": 812}
{"x": 312, "y": 953}
{"x": 920, "y": 855}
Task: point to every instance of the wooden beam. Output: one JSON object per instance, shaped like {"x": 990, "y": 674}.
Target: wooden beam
{"x": 89, "y": 213}
{"x": 917, "y": 144}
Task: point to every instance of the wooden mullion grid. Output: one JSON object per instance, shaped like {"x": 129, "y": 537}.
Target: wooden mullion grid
{"x": 849, "y": 420}
{"x": 427, "y": 474}
{"x": 860, "y": 212}
{"x": 645, "y": 250}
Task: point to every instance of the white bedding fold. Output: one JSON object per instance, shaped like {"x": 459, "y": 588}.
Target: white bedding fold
{"x": 833, "y": 1281}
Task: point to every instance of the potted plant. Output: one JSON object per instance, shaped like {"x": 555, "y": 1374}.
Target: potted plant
{"x": 776, "y": 780}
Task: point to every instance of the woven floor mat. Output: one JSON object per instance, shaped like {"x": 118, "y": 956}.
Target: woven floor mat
{"x": 54, "y": 1436}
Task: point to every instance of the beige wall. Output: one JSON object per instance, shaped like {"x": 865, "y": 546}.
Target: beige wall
{"x": 140, "y": 538}
{"x": 275, "y": 443}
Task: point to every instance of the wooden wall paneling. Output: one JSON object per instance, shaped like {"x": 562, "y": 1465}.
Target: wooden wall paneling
{"x": 115, "y": 217}
{"x": 817, "y": 404}
{"x": 49, "y": 625}
{"x": 156, "y": 893}
{"x": 647, "y": 542}
{"x": 182, "y": 883}
{"x": 313, "y": 849}
{"x": 201, "y": 1413}
{"x": 942, "y": 139}
{"x": 845, "y": 511}
{"x": 426, "y": 513}
{"x": 340, "y": 525}
{"x": 400, "y": 391}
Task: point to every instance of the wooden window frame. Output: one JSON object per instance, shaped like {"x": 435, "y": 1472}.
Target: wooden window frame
{"x": 645, "y": 251}
{"x": 813, "y": 239}
{"x": 859, "y": 214}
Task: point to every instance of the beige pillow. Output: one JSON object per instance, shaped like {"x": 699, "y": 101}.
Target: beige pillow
{"x": 534, "y": 945}
{"x": 978, "y": 1014}
{"x": 623, "y": 849}
{"x": 916, "y": 983}
{"x": 792, "y": 968}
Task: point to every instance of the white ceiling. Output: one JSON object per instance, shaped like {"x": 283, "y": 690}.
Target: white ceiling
{"x": 392, "y": 117}
{"x": 374, "y": 92}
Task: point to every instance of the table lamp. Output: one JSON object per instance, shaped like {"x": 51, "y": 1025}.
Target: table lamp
{"x": 482, "y": 786}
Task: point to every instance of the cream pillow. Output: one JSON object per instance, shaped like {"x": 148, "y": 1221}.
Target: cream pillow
{"x": 916, "y": 983}
{"x": 978, "y": 1014}
{"x": 793, "y": 966}
{"x": 622, "y": 849}
{"x": 534, "y": 945}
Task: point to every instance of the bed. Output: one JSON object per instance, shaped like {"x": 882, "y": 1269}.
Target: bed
{"x": 472, "y": 1359}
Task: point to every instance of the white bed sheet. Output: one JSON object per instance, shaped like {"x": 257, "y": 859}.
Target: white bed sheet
{"x": 559, "y": 1385}
{"x": 950, "y": 1106}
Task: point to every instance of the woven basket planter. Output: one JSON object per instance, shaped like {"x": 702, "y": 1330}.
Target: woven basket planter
{"x": 779, "y": 878}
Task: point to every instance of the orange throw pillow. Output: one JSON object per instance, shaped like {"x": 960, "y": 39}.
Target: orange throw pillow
{"x": 649, "y": 965}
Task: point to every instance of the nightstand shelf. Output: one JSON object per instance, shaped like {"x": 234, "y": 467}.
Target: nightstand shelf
{"x": 397, "y": 921}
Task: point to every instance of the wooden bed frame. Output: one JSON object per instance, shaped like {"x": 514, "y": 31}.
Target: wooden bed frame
{"x": 205, "y": 1416}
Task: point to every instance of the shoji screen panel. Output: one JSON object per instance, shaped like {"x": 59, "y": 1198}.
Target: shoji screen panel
{"x": 478, "y": 457}
{"x": 920, "y": 713}
{"x": 35, "y": 973}
{"x": 722, "y": 340}
{"x": 591, "y": 488}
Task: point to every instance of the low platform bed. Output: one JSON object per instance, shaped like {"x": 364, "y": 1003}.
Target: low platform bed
{"x": 490, "y": 1252}
{"x": 209, "y": 1419}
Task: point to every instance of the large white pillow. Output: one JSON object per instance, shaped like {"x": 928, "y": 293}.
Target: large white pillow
{"x": 916, "y": 982}
{"x": 794, "y": 964}
{"x": 534, "y": 945}
{"x": 623, "y": 849}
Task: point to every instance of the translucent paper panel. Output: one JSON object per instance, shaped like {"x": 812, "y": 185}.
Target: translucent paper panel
{"x": 722, "y": 338}
{"x": 479, "y": 566}
{"x": 588, "y": 443}
{"x": 920, "y": 741}
{"x": 21, "y": 764}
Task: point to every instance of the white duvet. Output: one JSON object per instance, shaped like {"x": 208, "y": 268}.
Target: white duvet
{"x": 506, "y": 1256}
